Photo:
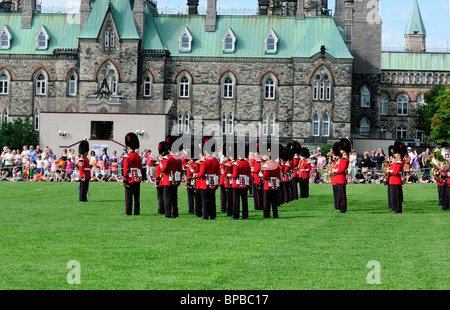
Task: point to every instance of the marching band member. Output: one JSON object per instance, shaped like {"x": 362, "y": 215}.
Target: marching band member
{"x": 132, "y": 174}
{"x": 190, "y": 185}
{"x": 271, "y": 177}
{"x": 334, "y": 158}
{"x": 304, "y": 168}
{"x": 297, "y": 149}
{"x": 257, "y": 193}
{"x": 241, "y": 181}
{"x": 222, "y": 182}
{"x": 162, "y": 148}
{"x": 341, "y": 175}
{"x": 395, "y": 177}
{"x": 85, "y": 169}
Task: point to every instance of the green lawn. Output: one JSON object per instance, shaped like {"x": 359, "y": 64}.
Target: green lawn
{"x": 311, "y": 245}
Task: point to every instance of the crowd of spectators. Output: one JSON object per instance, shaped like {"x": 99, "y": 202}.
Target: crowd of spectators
{"x": 36, "y": 165}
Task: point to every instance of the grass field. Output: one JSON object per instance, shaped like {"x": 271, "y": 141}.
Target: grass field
{"x": 310, "y": 247}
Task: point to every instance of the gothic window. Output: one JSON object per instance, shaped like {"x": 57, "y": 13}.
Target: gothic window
{"x": 183, "y": 87}
{"x": 180, "y": 123}
{"x": 73, "y": 85}
{"x": 229, "y": 41}
{"x": 147, "y": 85}
{"x": 400, "y": 78}
{"x": 321, "y": 86}
{"x": 418, "y": 78}
{"x": 108, "y": 74}
{"x": 384, "y": 105}
{"x": 406, "y": 78}
{"x": 316, "y": 125}
{"x": 365, "y": 126}
{"x": 265, "y": 125}
{"x": 228, "y": 88}
{"x": 436, "y": 79}
{"x": 5, "y": 116}
{"x": 401, "y": 132}
{"x": 388, "y": 78}
{"x": 42, "y": 39}
{"x": 365, "y": 97}
{"x": 5, "y": 38}
{"x": 186, "y": 123}
{"x": 326, "y": 126}
{"x": 41, "y": 85}
{"x": 230, "y": 124}
{"x": 424, "y": 78}
{"x": 224, "y": 124}
{"x": 36, "y": 120}
{"x": 271, "y": 42}
{"x": 3, "y": 84}
{"x": 402, "y": 105}
{"x": 107, "y": 39}
{"x": 269, "y": 89}
{"x": 272, "y": 125}
{"x": 185, "y": 41}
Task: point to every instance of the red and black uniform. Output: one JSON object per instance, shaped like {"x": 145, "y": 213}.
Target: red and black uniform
{"x": 171, "y": 168}
{"x": 223, "y": 190}
{"x": 241, "y": 181}
{"x": 85, "y": 177}
{"x": 159, "y": 189}
{"x": 132, "y": 176}
{"x": 208, "y": 178}
{"x": 304, "y": 173}
{"x": 190, "y": 186}
{"x": 257, "y": 183}
{"x": 442, "y": 188}
{"x": 295, "y": 167}
{"x": 340, "y": 180}
{"x": 281, "y": 191}
{"x": 271, "y": 176}
{"x": 287, "y": 181}
{"x": 228, "y": 186}
{"x": 396, "y": 185}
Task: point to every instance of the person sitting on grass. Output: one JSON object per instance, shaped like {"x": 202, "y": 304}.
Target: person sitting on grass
{"x": 359, "y": 177}
{"x": 16, "y": 175}
{"x": 4, "y": 175}
{"x": 48, "y": 175}
{"x": 317, "y": 177}
{"x": 375, "y": 179}
{"x": 411, "y": 177}
{"x": 426, "y": 179}
{"x": 75, "y": 177}
{"x": 38, "y": 176}
{"x": 97, "y": 176}
{"x": 114, "y": 177}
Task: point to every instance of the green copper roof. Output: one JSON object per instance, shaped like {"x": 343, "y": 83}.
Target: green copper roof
{"x": 415, "y": 23}
{"x": 123, "y": 18}
{"x": 61, "y": 30}
{"x": 415, "y": 61}
{"x": 296, "y": 38}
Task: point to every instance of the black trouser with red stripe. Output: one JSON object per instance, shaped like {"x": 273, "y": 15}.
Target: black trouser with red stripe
{"x": 171, "y": 201}
{"x": 257, "y": 197}
{"x": 396, "y": 198}
{"x": 238, "y": 195}
{"x": 335, "y": 197}
{"x": 296, "y": 187}
{"x": 198, "y": 202}
{"x": 191, "y": 199}
{"x": 304, "y": 187}
{"x": 160, "y": 196}
{"x": 341, "y": 195}
{"x": 270, "y": 200}
{"x": 441, "y": 194}
{"x": 223, "y": 198}
{"x": 132, "y": 190}
{"x": 84, "y": 188}
{"x": 446, "y": 205}
{"x": 230, "y": 201}
{"x": 209, "y": 204}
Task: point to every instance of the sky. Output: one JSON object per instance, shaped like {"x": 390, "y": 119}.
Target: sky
{"x": 394, "y": 14}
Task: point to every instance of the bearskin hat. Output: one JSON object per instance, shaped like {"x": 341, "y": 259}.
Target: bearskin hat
{"x": 336, "y": 149}
{"x": 304, "y": 152}
{"x": 400, "y": 148}
{"x": 297, "y": 148}
{"x": 345, "y": 145}
{"x": 163, "y": 148}
{"x": 132, "y": 141}
{"x": 83, "y": 147}
{"x": 211, "y": 144}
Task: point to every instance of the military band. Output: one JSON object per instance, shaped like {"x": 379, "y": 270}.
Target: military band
{"x": 132, "y": 175}
{"x": 396, "y": 177}
{"x": 85, "y": 170}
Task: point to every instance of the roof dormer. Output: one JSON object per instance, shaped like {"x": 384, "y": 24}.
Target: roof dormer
{"x": 229, "y": 41}
{"x": 42, "y": 38}
{"x": 5, "y": 38}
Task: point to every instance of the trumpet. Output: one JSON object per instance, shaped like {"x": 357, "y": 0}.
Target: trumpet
{"x": 330, "y": 169}
{"x": 386, "y": 173}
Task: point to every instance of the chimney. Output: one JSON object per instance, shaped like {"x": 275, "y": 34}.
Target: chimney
{"x": 300, "y": 9}
{"x": 211, "y": 14}
{"x": 29, "y": 6}
{"x": 139, "y": 16}
{"x": 85, "y": 10}
{"x": 192, "y": 7}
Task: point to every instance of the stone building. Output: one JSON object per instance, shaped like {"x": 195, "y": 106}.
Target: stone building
{"x": 119, "y": 66}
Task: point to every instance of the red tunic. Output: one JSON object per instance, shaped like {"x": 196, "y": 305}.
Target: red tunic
{"x": 84, "y": 168}
{"x": 395, "y": 169}
{"x": 241, "y": 174}
{"x": 171, "y": 168}
{"x": 341, "y": 171}
{"x": 132, "y": 168}
{"x": 271, "y": 176}
{"x": 304, "y": 169}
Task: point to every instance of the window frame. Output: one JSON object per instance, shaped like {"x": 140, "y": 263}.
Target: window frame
{"x": 4, "y": 84}
{"x": 181, "y": 43}
{"x": 384, "y": 102}
{"x": 183, "y": 87}
{"x": 269, "y": 88}
{"x": 316, "y": 121}
{"x": 41, "y": 84}
{"x": 365, "y": 97}
{"x": 228, "y": 87}
{"x": 272, "y": 36}
{"x": 326, "y": 125}
{"x": 403, "y": 103}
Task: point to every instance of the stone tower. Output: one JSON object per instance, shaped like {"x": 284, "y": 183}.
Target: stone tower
{"x": 415, "y": 34}
{"x": 299, "y": 8}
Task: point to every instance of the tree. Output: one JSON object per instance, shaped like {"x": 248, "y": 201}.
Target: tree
{"x": 440, "y": 122}
{"x": 426, "y": 112}
{"x": 18, "y": 133}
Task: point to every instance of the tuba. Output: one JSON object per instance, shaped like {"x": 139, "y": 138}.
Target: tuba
{"x": 439, "y": 160}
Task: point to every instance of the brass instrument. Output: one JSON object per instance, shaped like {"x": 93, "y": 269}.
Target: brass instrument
{"x": 330, "y": 168}
{"x": 438, "y": 161}
{"x": 386, "y": 172}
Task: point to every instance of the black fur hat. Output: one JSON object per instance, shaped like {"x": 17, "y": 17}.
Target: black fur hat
{"x": 132, "y": 141}
{"x": 305, "y": 152}
{"x": 345, "y": 145}
{"x": 400, "y": 148}
{"x": 163, "y": 148}
{"x": 83, "y": 147}
{"x": 336, "y": 149}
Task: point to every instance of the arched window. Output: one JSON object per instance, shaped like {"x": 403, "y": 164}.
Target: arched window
{"x": 322, "y": 91}
{"x": 109, "y": 73}
{"x": 186, "y": 123}
{"x": 406, "y": 78}
{"x": 272, "y": 125}
{"x": 265, "y": 125}
{"x": 72, "y": 85}
{"x": 401, "y": 132}
{"x": 5, "y": 116}
{"x": 224, "y": 124}
{"x": 326, "y": 126}
{"x": 41, "y": 85}
{"x": 420, "y": 100}
{"x": 424, "y": 78}
{"x": 316, "y": 91}
{"x": 271, "y": 42}
{"x": 400, "y": 78}
{"x": 111, "y": 41}
{"x": 365, "y": 126}
{"x": 36, "y": 120}
{"x": 436, "y": 78}
{"x": 180, "y": 123}
{"x": 365, "y": 97}
{"x": 322, "y": 86}
{"x": 228, "y": 88}
{"x": 147, "y": 86}
{"x": 184, "y": 87}
{"x": 229, "y": 41}
{"x": 402, "y": 105}
{"x": 269, "y": 89}
{"x": 316, "y": 125}
{"x": 230, "y": 124}
{"x": 3, "y": 84}
{"x": 107, "y": 39}
{"x": 418, "y": 78}
{"x": 384, "y": 108}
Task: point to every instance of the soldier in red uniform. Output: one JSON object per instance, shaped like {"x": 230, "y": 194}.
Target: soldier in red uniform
{"x": 335, "y": 158}
{"x": 208, "y": 178}
{"x": 241, "y": 181}
{"x": 171, "y": 168}
{"x": 228, "y": 170}
{"x": 395, "y": 177}
{"x": 257, "y": 183}
{"x": 341, "y": 175}
{"x": 190, "y": 185}
{"x": 132, "y": 175}
{"x": 85, "y": 169}
{"x": 271, "y": 177}
{"x": 304, "y": 168}
{"x": 297, "y": 148}
{"x": 222, "y": 184}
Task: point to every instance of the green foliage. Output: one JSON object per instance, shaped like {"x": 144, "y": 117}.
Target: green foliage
{"x": 18, "y": 133}
{"x": 326, "y": 149}
{"x": 440, "y": 122}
